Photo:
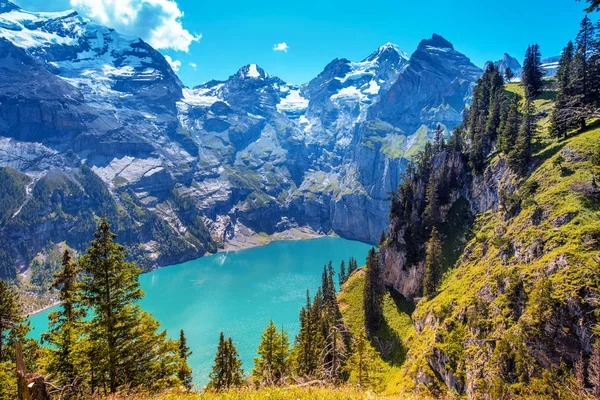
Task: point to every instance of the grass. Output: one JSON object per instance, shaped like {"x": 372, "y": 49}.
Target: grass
{"x": 289, "y": 393}
{"x": 391, "y": 341}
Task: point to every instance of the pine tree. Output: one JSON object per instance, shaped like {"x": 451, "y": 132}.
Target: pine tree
{"x": 282, "y": 353}
{"x": 309, "y": 341}
{"x": 431, "y": 214}
{"x": 227, "y": 371}
{"x": 508, "y": 74}
{"x": 532, "y": 72}
{"x": 265, "y": 370}
{"x": 373, "y": 293}
{"x": 565, "y": 115}
{"x": 433, "y": 264}
{"x": 10, "y": 317}
{"x": 110, "y": 289}
{"x": 585, "y": 49}
{"x": 510, "y": 127}
{"x": 65, "y": 326}
{"x": 218, "y": 375}
{"x": 352, "y": 266}
{"x": 234, "y": 365}
{"x": 438, "y": 138}
{"x": 342, "y": 275}
{"x": 520, "y": 156}
{"x": 185, "y": 372}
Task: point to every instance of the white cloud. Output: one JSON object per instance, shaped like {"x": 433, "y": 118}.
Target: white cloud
{"x": 175, "y": 64}
{"x": 193, "y": 65}
{"x": 280, "y": 47}
{"x": 156, "y": 21}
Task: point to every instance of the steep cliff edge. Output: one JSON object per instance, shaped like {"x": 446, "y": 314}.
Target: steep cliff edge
{"x": 517, "y": 306}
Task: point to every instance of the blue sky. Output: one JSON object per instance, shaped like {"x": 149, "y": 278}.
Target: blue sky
{"x": 235, "y": 33}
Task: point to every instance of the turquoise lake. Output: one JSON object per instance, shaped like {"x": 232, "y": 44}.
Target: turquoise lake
{"x": 237, "y": 293}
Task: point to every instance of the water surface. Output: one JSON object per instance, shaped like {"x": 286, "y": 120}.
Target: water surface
{"x": 237, "y": 293}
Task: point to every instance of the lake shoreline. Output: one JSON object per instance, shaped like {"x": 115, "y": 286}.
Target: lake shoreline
{"x": 244, "y": 240}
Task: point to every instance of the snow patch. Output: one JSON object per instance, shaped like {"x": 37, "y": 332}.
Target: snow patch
{"x": 293, "y": 102}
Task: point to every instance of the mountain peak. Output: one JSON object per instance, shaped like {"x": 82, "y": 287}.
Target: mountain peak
{"x": 387, "y": 48}
{"x": 436, "y": 42}
{"x": 252, "y": 71}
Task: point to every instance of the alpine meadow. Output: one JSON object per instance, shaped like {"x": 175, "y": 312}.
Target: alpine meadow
{"x": 417, "y": 225}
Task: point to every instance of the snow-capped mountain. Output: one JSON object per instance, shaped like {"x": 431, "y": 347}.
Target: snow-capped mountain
{"x": 95, "y": 123}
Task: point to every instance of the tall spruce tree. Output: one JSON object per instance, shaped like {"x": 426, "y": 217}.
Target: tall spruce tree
{"x": 567, "y": 108}
{"x": 184, "y": 373}
{"x": 352, "y": 266}
{"x": 227, "y": 370}
{"x": 533, "y": 72}
{"x": 10, "y": 317}
{"x": 520, "y": 156}
{"x": 309, "y": 341}
{"x": 433, "y": 264}
{"x": 374, "y": 290}
{"x": 264, "y": 371}
{"x": 508, "y": 74}
{"x": 124, "y": 346}
{"x": 342, "y": 275}
{"x": 510, "y": 126}
{"x": 65, "y": 327}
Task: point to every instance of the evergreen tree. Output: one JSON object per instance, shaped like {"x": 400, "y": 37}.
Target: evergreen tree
{"x": 235, "y": 372}
{"x": 65, "y": 326}
{"x": 185, "y": 372}
{"x": 508, "y": 74}
{"x": 438, "y": 138}
{"x": 374, "y": 290}
{"x": 510, "y": 126}
{"x": 124, "y": 347}
{"x": 431, "y": 214}
{"x": 433, "y": 264}
{"x": 282, "y": 353}
{"x": 10, "y": 317}
{"x": 227, "y": 371}
{"x": 586, "y": 48}
{"x": 352, "y": 266}
{"x": 520, "y": 156}
{"x": 565, "y": 115}
{"x": 264, "y": 371}
{"x": 533, "y": 72}
{"x": 342, "y": 275}
{"x": 309, "y": 341}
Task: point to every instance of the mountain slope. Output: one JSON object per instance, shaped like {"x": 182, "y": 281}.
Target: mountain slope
{"x": 518, "y": 307}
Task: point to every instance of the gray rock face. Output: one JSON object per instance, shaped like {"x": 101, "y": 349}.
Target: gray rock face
{"x": 510, "y": 62}
{"x": 182, "y": 169}
{"x": 434, "y": 88}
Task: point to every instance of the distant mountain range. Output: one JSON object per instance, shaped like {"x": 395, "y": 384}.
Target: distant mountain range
{"x": 94, "y": 123}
